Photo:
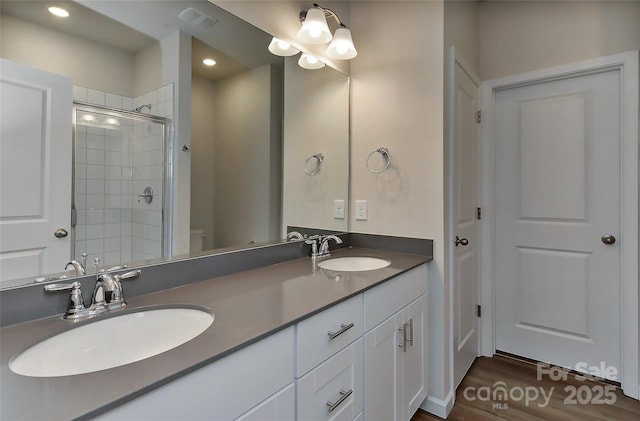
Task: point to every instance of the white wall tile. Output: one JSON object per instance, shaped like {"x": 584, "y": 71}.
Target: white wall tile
{"x": 95, "y": 216}
{"x": 81, "y": 155}
{"x": 112, "y": 230}
{"x": 96, "y": 97}
{"x": 112, "y": 216}
{"x": 96, "y": 140}
{"x": 79, "y": 93}
{"x": 95, "y": 156}
{"x": 80, "y": 186}
{"x": 111, "y": 245}
{"x": 113, "y": 172}
{"x": 113, "y": 101}
{"x": 113, "y": 201}
{"x": 95, "y": 187}
{"x": 127, "y": 103}
{"x": 95, "y": 172}
{"x": 113, "y": 158}
{"x": 95, "y": 247}
{"x": 95, "y": 232}
{"x": 113, "y": 258}
{"x": 95, "y": 201}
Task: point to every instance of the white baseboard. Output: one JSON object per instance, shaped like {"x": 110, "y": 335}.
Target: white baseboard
{"x": 439, "y": 407}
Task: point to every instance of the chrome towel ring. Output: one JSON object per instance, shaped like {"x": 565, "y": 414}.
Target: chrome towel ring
{"x": 317, "y": 158}
{"x": 384, "y": 152}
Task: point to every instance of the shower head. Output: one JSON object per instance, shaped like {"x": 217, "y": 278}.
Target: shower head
{"x": 140, "y": 108}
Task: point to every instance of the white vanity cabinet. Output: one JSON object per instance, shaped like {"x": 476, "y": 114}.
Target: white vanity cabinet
{"x": 329, "y": 376}
{"x": 281, "y": 406}
{"x": 361, "y": 359}
{"x": 251, "y": 382}
{"x": 395, "y": 347}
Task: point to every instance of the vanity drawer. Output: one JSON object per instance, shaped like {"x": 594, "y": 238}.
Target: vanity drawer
{"x": 322, "y": 335}
{"x": 338, "y": 381}
{"x": 386, "y": 299}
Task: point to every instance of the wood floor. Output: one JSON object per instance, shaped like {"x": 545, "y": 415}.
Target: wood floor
{"x": 478, "y": 398}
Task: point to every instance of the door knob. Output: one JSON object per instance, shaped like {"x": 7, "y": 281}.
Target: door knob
{"x": 608, "y": 239}
{"x": 61, "y": 233}
{"x": 461, "y": 241}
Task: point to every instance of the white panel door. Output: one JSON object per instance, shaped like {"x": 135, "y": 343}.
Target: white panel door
{"x": 35, "y": 170}
{"x": 557, "y": 198}
{"x": 464, "y": 205}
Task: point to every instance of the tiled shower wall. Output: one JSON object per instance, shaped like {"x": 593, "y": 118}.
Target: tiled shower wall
{"x": 112, "y": 168}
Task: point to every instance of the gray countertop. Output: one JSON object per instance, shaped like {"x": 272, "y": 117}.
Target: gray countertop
{"x": 248, "y": 306}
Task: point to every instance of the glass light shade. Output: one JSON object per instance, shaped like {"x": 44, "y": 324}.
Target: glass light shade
{"x": 310, "y": 62}
{"x": 342, "y": 47}
{"x": 282, "y": 48}
{"x": 314, "y": 28}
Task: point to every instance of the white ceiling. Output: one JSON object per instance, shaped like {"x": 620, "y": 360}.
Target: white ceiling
{"x": 132, "y": 25}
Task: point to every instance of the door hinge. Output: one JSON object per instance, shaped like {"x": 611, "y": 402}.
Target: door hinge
{"x": 479, "y": 310}
{"x": 479, "y": 213}
{"x": 479, "y": 116}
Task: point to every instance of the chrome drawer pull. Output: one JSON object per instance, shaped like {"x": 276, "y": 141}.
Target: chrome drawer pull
{"x": 343, "y": 395}
{"x": 344, "y": 328}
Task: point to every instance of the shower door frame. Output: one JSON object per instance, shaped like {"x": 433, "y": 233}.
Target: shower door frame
{"x": 167, "y": 158}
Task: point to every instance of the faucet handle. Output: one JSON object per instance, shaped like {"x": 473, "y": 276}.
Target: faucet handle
{"x": 76, "y": 300}
{"x": 129, "y": 275}
{"x": 314, "y": 245}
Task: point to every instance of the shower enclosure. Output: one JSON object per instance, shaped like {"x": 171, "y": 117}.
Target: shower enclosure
{"x": 119, "y": 209}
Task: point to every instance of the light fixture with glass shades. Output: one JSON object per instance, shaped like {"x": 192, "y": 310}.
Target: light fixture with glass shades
{"x": 282, "y": 48}
{"x": 314, "y": 26}
{"x": 308, "y": 61}
{"x": 315, "y": 30}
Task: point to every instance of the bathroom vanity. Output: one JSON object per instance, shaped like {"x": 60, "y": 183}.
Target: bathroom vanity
{"x": 289, "y": 341}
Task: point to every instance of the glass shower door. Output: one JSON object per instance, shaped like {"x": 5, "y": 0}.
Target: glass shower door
{"x": 119, "y": 172}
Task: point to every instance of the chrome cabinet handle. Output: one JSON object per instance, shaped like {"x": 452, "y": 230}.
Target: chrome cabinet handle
{"x": 411, "y": 332}
{"x": 343, "y": 328}
{"x": 461, "y": 241}
{"x": 403, "y": 345}
{"x": 608, "y": 239}
{"x": 343, "y": 395}
{"x": 61, "y": 233}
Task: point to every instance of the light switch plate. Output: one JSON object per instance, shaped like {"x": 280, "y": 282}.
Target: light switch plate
{"x": 338, "y": 209}
{"x": 362, "y": 213}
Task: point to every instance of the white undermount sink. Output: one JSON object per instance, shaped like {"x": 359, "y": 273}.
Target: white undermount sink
{"x": 112, "y": 341}
{"x": 354, "y": 264}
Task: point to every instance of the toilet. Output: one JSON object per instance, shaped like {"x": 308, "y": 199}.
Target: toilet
{"x": 197, "y": 239}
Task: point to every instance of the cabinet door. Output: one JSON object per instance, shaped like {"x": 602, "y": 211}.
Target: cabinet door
{"x": 414, "y": 388}
{"x": 338, "y": 380}
{"x": 382, "y": 368}
{"x": 279, "y": 407}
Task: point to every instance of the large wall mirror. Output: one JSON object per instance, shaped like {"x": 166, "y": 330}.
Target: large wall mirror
{"x": 268, "y": 143}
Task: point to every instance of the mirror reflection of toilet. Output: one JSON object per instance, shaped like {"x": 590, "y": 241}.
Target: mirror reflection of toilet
{"x": 197, "y": 239}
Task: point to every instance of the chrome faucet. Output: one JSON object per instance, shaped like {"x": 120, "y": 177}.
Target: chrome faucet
{"x": 107, "y": 295}
{"x": 324, "y": 244}
{"x": 294, "y": 235}
{"x": 108, "y": 291}
{"x": 78, "y": 267}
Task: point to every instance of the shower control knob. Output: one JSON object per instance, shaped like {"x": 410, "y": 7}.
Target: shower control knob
{"x": 61, "y": 233}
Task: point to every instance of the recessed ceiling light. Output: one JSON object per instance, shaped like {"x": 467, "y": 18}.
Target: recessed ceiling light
{"x": 209, "y": 62}
{"x": 61, "y": 13}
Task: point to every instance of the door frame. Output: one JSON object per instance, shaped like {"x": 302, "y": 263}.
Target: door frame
{"x": 627, "y": 64}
